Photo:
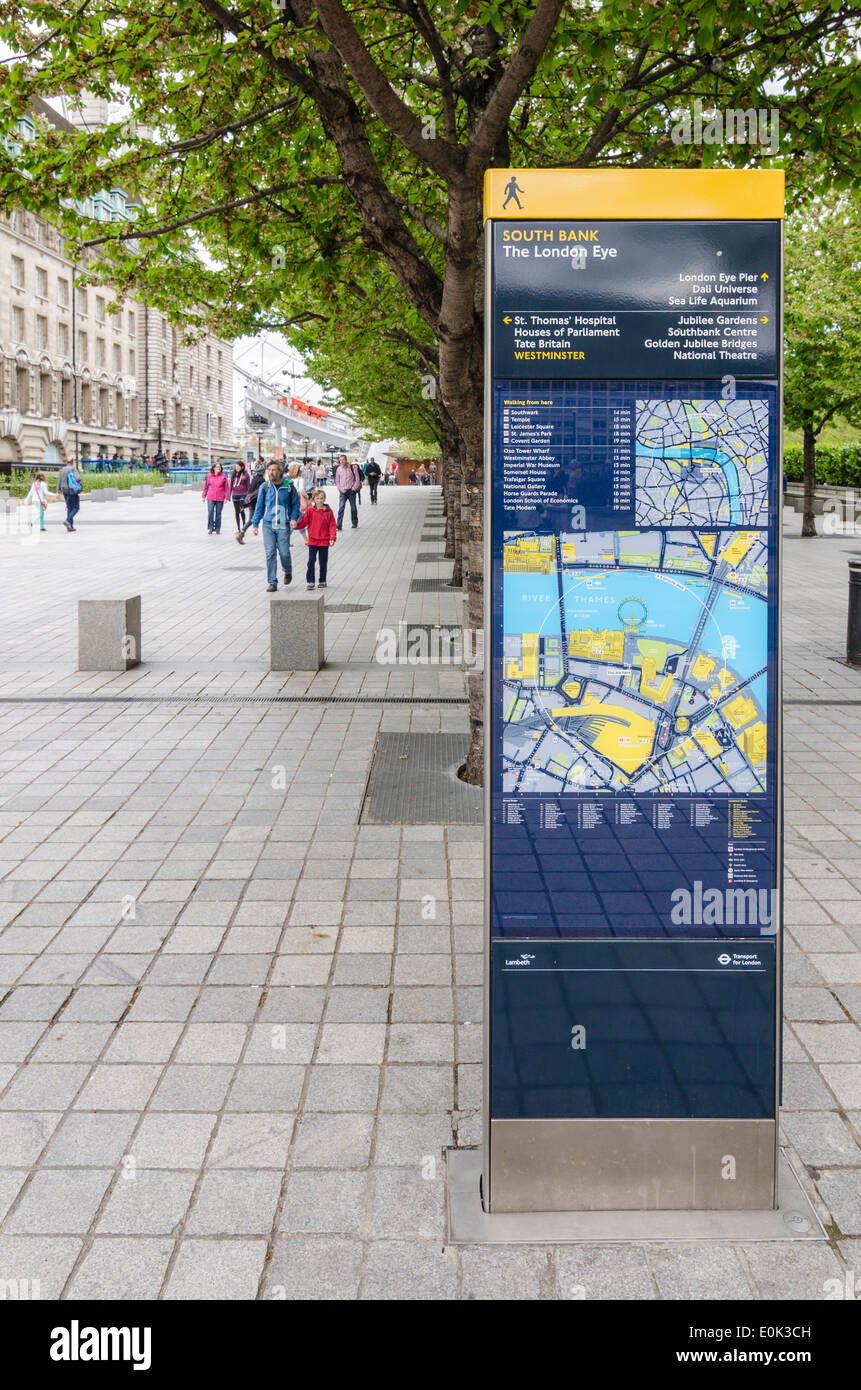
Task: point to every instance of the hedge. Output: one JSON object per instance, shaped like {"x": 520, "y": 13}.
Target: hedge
{"x": 838, "y": 464}
{"x": 19, "y": 484}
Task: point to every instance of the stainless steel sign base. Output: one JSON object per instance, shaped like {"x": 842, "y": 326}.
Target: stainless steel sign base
{"x": 468, "y": 1223}
{"x": 636, "y": 1165}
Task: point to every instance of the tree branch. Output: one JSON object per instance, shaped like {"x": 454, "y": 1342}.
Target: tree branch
{"x": 518, "y": 73}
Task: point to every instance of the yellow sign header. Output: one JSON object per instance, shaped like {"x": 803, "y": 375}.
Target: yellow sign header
{"x": 671, "y": 194}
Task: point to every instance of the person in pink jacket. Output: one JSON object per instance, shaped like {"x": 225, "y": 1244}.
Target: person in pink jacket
{"x": 216, "y": 491}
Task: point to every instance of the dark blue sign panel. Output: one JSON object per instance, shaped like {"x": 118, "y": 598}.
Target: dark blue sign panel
{"x": 598, "y": 299}
{"x": 634, "y": 612}
{"x": 647, "y": 1030}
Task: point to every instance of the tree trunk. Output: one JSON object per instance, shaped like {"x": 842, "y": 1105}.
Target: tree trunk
{"x": 808, "y": 524}
{"x": 460, "y": 334}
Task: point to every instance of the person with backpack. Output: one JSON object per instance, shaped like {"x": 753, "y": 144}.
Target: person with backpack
{"x": 258, "y": 479}
{"x": 348, "y": 482}
{"x": 216, "y": 490}
{"x": 70, "y": 487}
{"x": 373, "y": 473}
{"x": 277, "y": 505}
{"x": 240, "y": 486}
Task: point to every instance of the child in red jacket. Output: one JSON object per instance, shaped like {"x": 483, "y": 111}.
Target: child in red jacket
{"x": 322, "y": 532}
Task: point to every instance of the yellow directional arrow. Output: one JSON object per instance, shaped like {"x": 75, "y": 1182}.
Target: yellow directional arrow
{"x": 764, "y": 319}
{"x": 763, "y": 276}
{"x": 506, "y": 320}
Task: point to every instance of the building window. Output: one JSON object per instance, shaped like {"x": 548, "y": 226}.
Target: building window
{"x": 41, "y": 332}
{"x": 86, "y": 403}
{"x": 17, "y": 272}
{"x": 103, "y": 407}
{"x": 82, "y": 347}
{"x": 191, "y": 419}
{"x": 220, "y": 427}
{"x": 219, "y": 390}
{"x": 191, "y": 376}
{"x": 63, "y": 293}
{"x": 39, "y": 232}
{"x": 66, "y": 398}
{"x": 100, "y": 352}
{"x": 208, "y": 386}
{"x": 118, "y": 358}
{"x": 131, "y": 362}
{"x": 120, "y": 413}
{"x": 45, "y": 394}
{"x": 208, "y": 352}
{"x": 63, "y": 339}
{"x": 100, "y": 309}
{"x": 17, "y": 323}
{"x": 163, "y": 367}
{"x": 219, "y": 357}
{"x": 131, "y": 324}
{"x": 41, "y": 282}
{"x": 81, "y": 299}
{"x": 22, "y": 378}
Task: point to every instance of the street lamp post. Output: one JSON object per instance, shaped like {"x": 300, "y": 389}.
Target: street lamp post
{"x": 159, "y": 415}
{"x": 306, "y": 441}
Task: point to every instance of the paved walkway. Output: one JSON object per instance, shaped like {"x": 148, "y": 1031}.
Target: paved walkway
{"x": 233, "y": 1049}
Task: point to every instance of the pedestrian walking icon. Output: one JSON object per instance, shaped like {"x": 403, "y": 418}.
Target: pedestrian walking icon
{"x": 512, "y": 188}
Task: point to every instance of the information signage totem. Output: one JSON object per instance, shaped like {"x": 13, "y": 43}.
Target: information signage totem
{"x": 633, "y": 763}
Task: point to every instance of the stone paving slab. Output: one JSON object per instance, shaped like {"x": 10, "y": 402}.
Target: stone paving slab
{"x": 234, "y": 1044}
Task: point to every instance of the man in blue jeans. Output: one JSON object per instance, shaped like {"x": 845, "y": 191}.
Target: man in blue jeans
{"x": 69, "y": 487}
{"x": 348, "y": 482}
{"x": 277, "y": 506}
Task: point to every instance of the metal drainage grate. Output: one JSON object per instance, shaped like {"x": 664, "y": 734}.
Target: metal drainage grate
{"x": 413, "y": 781}
{"x": 433, "y": 586}
{"x": 424, "y": 557}
{"x": 348, "y": 607}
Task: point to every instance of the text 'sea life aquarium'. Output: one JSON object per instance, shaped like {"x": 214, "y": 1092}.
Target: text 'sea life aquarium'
{"x": 633, "y": 766}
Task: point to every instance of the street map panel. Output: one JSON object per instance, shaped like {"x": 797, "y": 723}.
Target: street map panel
{"x": 635, "y": 661}
{"x": 702, "y": 462}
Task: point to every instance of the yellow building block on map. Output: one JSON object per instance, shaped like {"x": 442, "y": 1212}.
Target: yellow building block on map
{"x": 608, "y": 645}
{"x": 735, "y": 552}
{"x": 707, "y": 741}
{"x": 754, "y": 741}
{"x": 703, "y": 666}
{"x": 740, "y": 711}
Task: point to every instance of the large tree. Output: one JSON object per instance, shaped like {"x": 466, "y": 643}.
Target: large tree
{"x": 822, "y": 362}
{"x": 379, "y": 123}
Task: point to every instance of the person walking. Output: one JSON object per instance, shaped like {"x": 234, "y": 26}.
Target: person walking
{"x": 348, "y": 482}
{"x": 38, "y": 497}
{"x": 322, "y": 533}
{"x": 309, "y": 477}
{"x": 216, "y": 490}
{"x": 240, "y": 486}
{"x": 373, "y": 473}
{"x": 70, "y": 487}
{"x": 258, "y": 478}
{"x": 277, "y": 505}
{"x": 321, "y": 473}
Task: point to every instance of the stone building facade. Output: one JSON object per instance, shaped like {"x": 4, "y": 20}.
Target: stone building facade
{"x": 79, "y": 382}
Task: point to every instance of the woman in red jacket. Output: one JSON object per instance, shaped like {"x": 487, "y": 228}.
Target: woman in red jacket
{"x": 216, "y": 491}
{"x": 322, "y": 532}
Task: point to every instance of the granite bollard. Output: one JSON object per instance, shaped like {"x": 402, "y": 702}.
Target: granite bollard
{"x": 296, "y": 633}
{"x": 109, "y": 633}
